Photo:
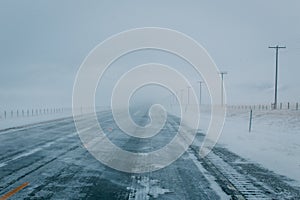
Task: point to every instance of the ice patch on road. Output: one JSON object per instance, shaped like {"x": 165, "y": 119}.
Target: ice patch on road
{"x": 143, "y": 188}
{"x": 32, "y": 151}
{"x": 39, "y": 148}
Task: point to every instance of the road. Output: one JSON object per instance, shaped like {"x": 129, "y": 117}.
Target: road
{"x": 51, "y": 158}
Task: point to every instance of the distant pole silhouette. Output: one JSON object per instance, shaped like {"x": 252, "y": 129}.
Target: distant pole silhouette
{"x": 222, "y": 87}
{"x": 181, "y": 95}
{"x": 188, "y": 95}
{"x": 276, "y": 73}
{"x": 200, "y": 91}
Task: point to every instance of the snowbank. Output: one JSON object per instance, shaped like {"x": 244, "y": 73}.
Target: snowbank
{"x": 274, "y": 141}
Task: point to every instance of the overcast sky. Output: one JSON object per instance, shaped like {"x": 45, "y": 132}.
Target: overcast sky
{"x": 43, "y": 43}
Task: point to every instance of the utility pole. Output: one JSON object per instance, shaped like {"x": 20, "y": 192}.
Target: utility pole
{"x": 222, "y": 87}
{"x": 200, "y": 91}
{"x": 276, "y": 72}
{"x": 181, "y": 95}
{"x": 175, "y": 97}
{"x": 188, "y": 95}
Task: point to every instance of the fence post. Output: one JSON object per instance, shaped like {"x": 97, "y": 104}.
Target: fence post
{"x": 280, "y": 106}
{"x": 250, "y": 121}
{"x": 5, "y": 114}
{"x": 288, "y": 105}
{"x": 297, "y": 106}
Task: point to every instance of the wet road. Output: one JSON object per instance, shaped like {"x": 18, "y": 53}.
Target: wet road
{"x": 50, "y": 156}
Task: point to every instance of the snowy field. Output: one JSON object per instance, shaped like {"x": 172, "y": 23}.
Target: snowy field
{"x": 274, "y": 141}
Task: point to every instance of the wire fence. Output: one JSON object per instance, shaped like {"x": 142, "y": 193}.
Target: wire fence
{"x": 7, "y": 114}
{"x": 19, "y": 113}
{"x": 280, "y": 106}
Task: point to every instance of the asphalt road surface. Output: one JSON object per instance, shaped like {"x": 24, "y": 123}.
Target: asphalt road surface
{"x": 51, "y": 158}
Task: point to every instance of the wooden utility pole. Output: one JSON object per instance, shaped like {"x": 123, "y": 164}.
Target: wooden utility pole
{"x": 222, "y": 88}
{"x": 276, "y": 73}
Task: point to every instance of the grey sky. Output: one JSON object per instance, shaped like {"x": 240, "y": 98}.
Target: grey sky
{"x": 44, "y": 42}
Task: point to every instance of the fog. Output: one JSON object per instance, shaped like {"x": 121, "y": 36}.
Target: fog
{"x": 43, "y": 44}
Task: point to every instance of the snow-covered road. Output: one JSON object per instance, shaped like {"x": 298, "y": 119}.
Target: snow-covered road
{"x": 50, "y": 156}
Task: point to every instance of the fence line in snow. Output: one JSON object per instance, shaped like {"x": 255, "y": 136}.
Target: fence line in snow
{"x": 18, "y": 113}
{"x": 280, "y": 106}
